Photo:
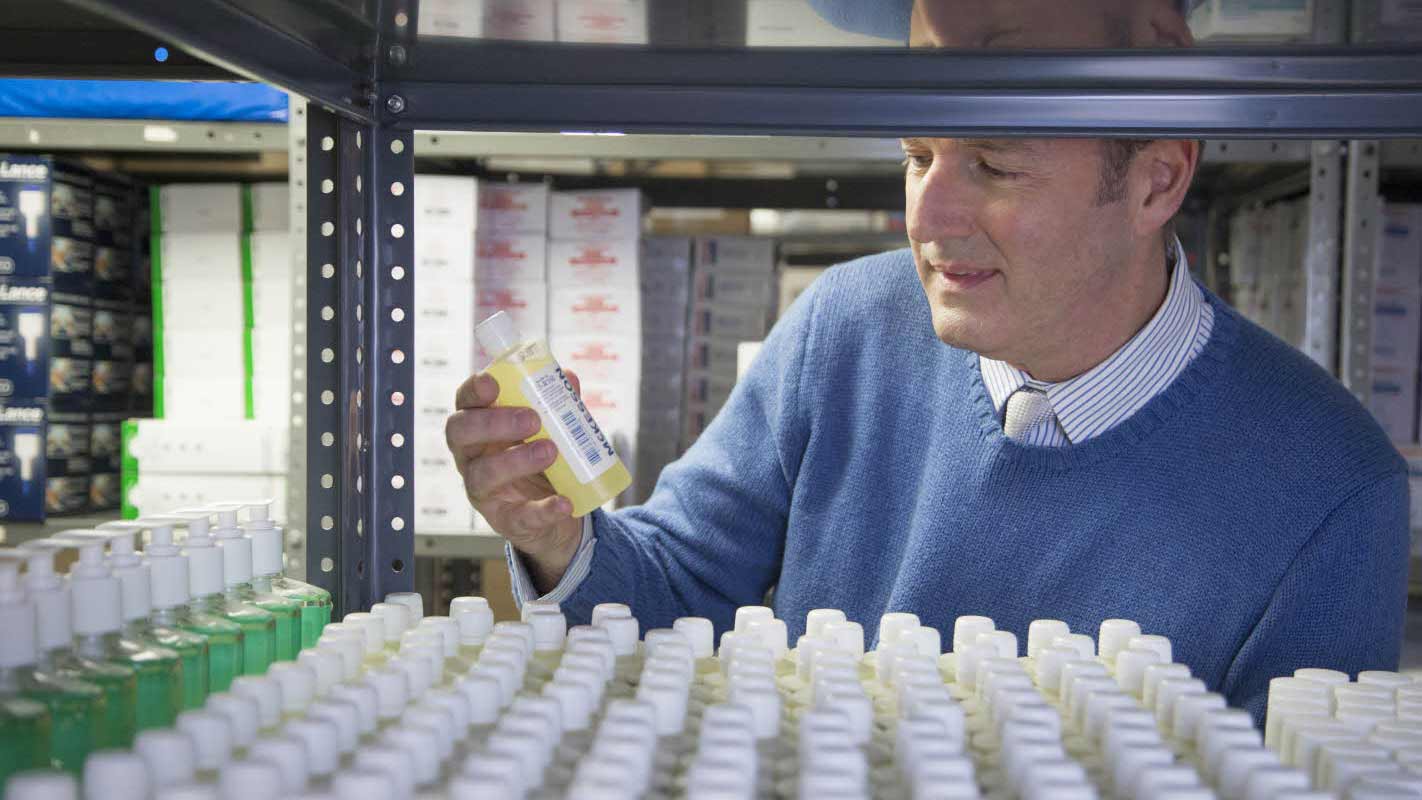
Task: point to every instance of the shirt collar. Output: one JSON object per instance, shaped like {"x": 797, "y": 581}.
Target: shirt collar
{"x": 1093, "y": 402}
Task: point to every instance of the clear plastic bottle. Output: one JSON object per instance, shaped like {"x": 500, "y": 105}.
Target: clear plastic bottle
{"x": 172, "y": 585}
{"x": 26, "y": 727}
{"x": 70, "y": 668}
{"x": 207, "y": 568}
{"x": 587, "y": 471}
{"x": 266, "y": 538}
{"x": 135, "y": 583}
{"x": 239, "y": 567}
{"x": 95, "y": 595}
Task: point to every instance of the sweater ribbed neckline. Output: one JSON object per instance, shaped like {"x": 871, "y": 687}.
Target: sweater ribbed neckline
{"x": 1198, "y": 375}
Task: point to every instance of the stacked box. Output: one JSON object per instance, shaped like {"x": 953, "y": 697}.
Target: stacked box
{"x": 515, "y": 20}
{"x": 666, "y": 293}
{"x": 511, "y": 257}
{"x": 734, "y": 291}
{"x": 602, "y": 21}
{"x": 171, "y": 463}
{"x": 269, "y": 249}
{"x": 595, "y": 304}
{"x": 1397, "y": 321}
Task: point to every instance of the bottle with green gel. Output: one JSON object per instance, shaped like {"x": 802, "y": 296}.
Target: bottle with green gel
{"x": 90, "y": 704}
{"x": 96, "y": 599}
{"x": 244, "y": 557}
{"x": 173, "y": 609}
{"x": 136, "y": 584}
{"x": 266, "y": 538}
{"x": 26, "y": 726}
{"x": 215, "y": 580}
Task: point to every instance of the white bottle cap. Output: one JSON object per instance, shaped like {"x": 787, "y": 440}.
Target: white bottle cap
{"x": 1003, "y": 642}
{"x": 366, "y": 701}
{"x": 549, "y": 629}
{"x": 1042, "y": 632}
{"x": 211, "y": 734}
{"x": 188, "y": 791}
{"x": 474, "y": 618}
{"x": 894, "y": 623}
{"x": 700, "y": 635}
{"x": 1159, "y": 644}
{"x": 396, "y": 618}
{"x": 497, "y": 334}
{"x": 967, "y": 628}
{"x": 392, "y": 689}
{"x": 1131, "y": 665}
{"x": 93, "y": 591}
{"x": 1153, "y": 675}
{"x": 773, "y": 634}
{"x": 419, "y": 674}
{"x": 321, "y": 737}
{"x": 669, "y": 700}
{"x": 606, "y": 611}
{"x": 1385, "y": 678}
{"x": 421, "y": 745}
{"x": 504, "y": 673}
{"x": 481, "y": 786}
{"x": 326, "y": 666}
{"x": 370, "y": 625}
{"x": 113, "y": 775}
{"x": 439, "y": 721}
{"x": 347, "y": 649}
{"x": 167, "y": 566}
{"x": 924, "y": 640}
{"x": 521, "y": 631}
{"x": 526, "y": 749}
{"x": 363, "y": 784}
{"x": 817, "y": 619}
{"x": 598, "y": 655}
{"x": 41, "y": 785}
{"x": 242, "y": 711}
{"x": 412, "y": 601}
{"x": 266, "y": 538}
{"x": 453, "y": 703}
{"x": 266, "y": 692}
{"x": 448, "y": 630}
{"x": 205, "y": 560}
{"x": 623, "y": 631}
{"x": 765, "y": 710}
{"x": 289, "y": 754}
{"x": 244, "y": 780}
{"x": 1113, "y": 636}
{"x": 576, "y": 702}
{"x": 1265, "y": 783}
{"x": 392, "y": 761}
{"x": 745, "y": 615}
{"x": 17, "y": 619}
{"x": 170, "y": 754}
{"x": 1084, "y": 645}
{"x": 485, "y": 698}
{"x": 298, "y": 685}
{"x": 1318, "y": 675}
{"x": 848, "y": 636}
{"x": 1188, "y": 708}
{"x": 345, "y": 716}
{"x": 53, "y": 621}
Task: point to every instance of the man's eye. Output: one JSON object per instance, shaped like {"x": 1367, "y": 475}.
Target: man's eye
{"x": 919, "y": 163}
{"x": 993, "y": 172}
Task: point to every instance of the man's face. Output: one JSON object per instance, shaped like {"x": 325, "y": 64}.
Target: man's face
{"x": 1028, "y": 23}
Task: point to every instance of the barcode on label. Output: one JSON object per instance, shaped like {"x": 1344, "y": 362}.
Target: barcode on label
{"x": 581, "y": 439}
{"x": 569, "y": 424}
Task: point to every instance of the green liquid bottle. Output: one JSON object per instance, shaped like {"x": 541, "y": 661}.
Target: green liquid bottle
{"x": 25, "y": 731}
{"x": 171, "y": 586}
{"x": 215, "y": 588}
{"x": 312, "y": 603}
{"x": 26, "y": 727}
{"x": 96, "y": 599}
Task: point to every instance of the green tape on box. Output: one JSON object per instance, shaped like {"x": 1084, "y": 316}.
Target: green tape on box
{"x": 128, "y": 477}
{"x": 155, "y": 259}
{"x": 248, "y": 314}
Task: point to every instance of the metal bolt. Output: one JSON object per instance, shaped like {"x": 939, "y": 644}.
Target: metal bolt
{"x": 397, "y": 54}
{"x": 395, "y": 104}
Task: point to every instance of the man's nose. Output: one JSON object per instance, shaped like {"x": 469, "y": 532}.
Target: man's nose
{"x": 940, "y": 204}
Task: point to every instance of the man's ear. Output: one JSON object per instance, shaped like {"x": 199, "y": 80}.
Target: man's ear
{"x": 1163, "y": 172}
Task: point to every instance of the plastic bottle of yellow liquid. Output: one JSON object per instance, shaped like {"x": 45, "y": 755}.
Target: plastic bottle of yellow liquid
{"x": 587, "y": 471}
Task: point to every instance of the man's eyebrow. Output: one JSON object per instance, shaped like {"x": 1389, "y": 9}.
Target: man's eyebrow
{"x": 1002, "y": 145}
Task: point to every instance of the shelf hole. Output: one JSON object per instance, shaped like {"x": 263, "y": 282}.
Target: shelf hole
{"x": 397, "y": 565}
{"x": 397, "y": 273}
{"x": 397, "y": 398}
{"x": 328, "y": 271}
{"x": 328, "y": 228}
{"x": 327, "y": 565}
{"x": 327, "y": 439}
{"x": 328, "y": 313}
{"x": 360, "y": 315}
{"x": 397, "y": 146}
{"x": 397, "y": 188}
{"x": 359, "y": 185}
{"x": 327, "y": 355}
{"x": 397, "y": 439}
{"x": 360, "y": 527}
{"x": 327, "y": 481}
{"x": 360, "y": 267}
{"x": 328, "y": 397}
{"x": 397, "y": 481}
{"x": 397, "y": 357}
{"x": 327, "y": 523}
{"x": 401, "y": 19}
{"x": 397, "y": 315}
{"x": 359, "y": 355}
{"x": 398, "y": 523}
{"x": 327, "y": 186}
{"x": 358, "y": 226}
{"x": 397, "y": 230}
{"x": 327, "y": 143}
{"x": 359, "y": 140}
{"x": 360, "y": 569}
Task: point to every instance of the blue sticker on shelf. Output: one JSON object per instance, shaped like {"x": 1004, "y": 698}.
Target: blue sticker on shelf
{"x": 212, "y": 101}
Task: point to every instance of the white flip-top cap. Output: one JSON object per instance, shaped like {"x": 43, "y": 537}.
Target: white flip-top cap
{"x": 1113, "y": 637}
{"x": 265, "y": 536}
{"x": 243, "y": 711}
{"x": 371, "y": 626}
{"x": 966, "y": 629}
{"x": 396, "y": 618}
{"x": 448, "y": 630}
{"x": 171, "y": 756}
{"x": 411, "y": 601}
{"x": 497, "y": 334}
{"x": 363, "y": 784}
{"x": 347, "y": 648}
{"x": 549, "y": 630}
{"x": 167, "y": 565}
{"x": 53, "y": 620}
{"x": 266, "y": 692}
{"x": 455, "y": 704}
{"x": 321, "y": 737}
{"x": 474, "y": 618}
{"x": 345, "y": 716}
{"x": 366, "y": 701}
{"x": 700, "y": 634}
{"x": 325, "y": 665}
{"x": 298, "y": 685}
{"x": 289, "y": 755}
{"x": 605, "y": 611}
{"x": 212, "y": 735}
{"x": 420, "y": 745}
{"x": 243, "y": 780}
{"x": 41, "y": 785}
{"x": 17, "y": 617}
{"x": 623, "y": 631}
{"x": 94, "y": 594}
{"x": 392, "y": 689}
{"x": 236, "y": 548}
{"x": 205, "y": 570}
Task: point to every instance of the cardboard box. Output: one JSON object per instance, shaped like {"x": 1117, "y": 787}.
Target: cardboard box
{"x": 526, "y": 303}
{"x": 1394, "y": 402}
{"x": 200, "y": 208}
{"x": 595, "y": 214}
{"x": 191, "y": 399}
{"x": 159, "y": 493}
{"x": 26, "y": 343}
{"x": 115, "y": 224}
{"x": 503, "y": 259}
{"x": 665, "y": 320}
{"x": 610, "y": 360}
{"x": 709, "y": 389}
{"x": 713, "y": 354}
{"x": 735, "y": 253}
{"x": 697, "y": 221}
{"x": 513, "y": 207}
{"x": 575, "y": 310}
{"x": 271, "y": 207}
{"x": 444, "y": 307}
{"x": 793, "y": 283}
{"x": 1399, "y": 250}
{"x": 1397, "y": 327}
{"x": 751, "y": 289}
{"x": 105, "y": 440}
{"x": 593, "y": 263}
{"x": 446, "y": 200}
{"x": 194, "y": 447}
{"x": 602, "y": 21}
{"x": 660, "y": 357}
{"x": 729, "y": 322}
{"x": 444, "y": 254}
{"x": 25, "y": 224}
{"x": 519, "y": 20}
{"x": 23, "y": 464}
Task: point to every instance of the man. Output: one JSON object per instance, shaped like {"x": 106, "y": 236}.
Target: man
{"x": 1033, "y": 412}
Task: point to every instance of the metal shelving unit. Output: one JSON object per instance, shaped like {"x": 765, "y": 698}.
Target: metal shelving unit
{"x": 372, "y": 86}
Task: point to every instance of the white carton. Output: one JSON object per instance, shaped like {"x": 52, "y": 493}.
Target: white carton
{"x": 519, "y": 20}
{"x": 614, "y": 407}
{"x": 577, "y": 310}
{"x": 1397, "y": 326}
{"x": 203, "y": 355}
{"x": 595, "y": 214}
{"x": 724, "y": 287}
{"x": 729, "y": 322}
{"x": 444, "y": 254}
{"x": 1400, "y": 250}
{"x": 445, "y": 200}
{"x": 448, "y": 354}
{"x": 595, "y": 263}
{"x": 793, "y": 283}
{"x": 526, "y": 303}
{"x": 463, "y": 19}
{"x": 713, "y": 354}
{"x": 1394, "y": 402}
{"x": 200, "y": 207}
{"x": 160, "y": 493}
{"x": 602, "y": 21}
{"x": 204, "y": 399}
{"x": 201, "y": 257}
{"x": 271, "y": 255}
{"x": 444, "y": 306}
{"x": 513, "y": 258}
{"x": 735, "y": 253}
{"x": 609, "y": 360}
{"x": 513, "y": 207}
{"x": 672, "y": 253}
{"x": 196, "y": 447}
{"x": 434, "y": 399}
{"x": 271, "y": 207}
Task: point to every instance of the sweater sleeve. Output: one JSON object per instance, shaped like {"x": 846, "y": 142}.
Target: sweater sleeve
{"x": 1340, "y": 605}
{"x": 712, "y": 535}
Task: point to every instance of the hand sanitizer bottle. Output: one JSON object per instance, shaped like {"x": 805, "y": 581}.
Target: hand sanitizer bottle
{"x": 239, "y": 555}
{"x": 587, "y": 471}
{"x": 173, "y": 607}
{"x": 135, "y": 583}
{"x": 118, "y": 682}
{"x": 26, "y": 726}
{"x": 266, "y": 538}
{"x": 214, "y": 591}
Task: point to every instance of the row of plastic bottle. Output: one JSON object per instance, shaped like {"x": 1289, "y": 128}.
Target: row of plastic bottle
{"x": 127, "y": 640}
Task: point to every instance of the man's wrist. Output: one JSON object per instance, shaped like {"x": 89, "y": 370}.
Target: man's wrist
{"x": 546, "y": 569}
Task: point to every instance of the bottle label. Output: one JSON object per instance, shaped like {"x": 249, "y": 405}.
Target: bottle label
{"x": 570, "y": 426}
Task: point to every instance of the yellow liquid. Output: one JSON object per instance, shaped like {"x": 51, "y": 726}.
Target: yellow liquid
{"x": 584, "y": 496}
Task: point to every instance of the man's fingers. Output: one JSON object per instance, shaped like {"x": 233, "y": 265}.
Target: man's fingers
{"x": 476, "y": 427}
{"x": 536, "y": 516}
{"x": 487, "y": 473}
{"x": 476, "y": 392}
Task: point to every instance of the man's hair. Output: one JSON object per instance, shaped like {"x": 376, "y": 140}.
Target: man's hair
{"x": 1117, "y": 156}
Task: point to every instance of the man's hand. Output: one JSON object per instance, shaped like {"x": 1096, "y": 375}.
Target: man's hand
{"x": 503, "y": 477}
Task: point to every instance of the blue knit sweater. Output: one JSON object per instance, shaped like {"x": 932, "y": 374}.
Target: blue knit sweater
{"x": 1252, "y": 512}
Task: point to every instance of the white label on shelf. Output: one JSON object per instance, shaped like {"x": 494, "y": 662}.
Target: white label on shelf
{"x": 569, "y": 424}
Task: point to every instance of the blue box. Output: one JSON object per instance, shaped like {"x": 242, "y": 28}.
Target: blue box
{"x": 68, "y": 445}
{"x": 25, "y": 343}
{"x": 23, "y": 465}
{"x": 115, "y": 228}
{"x": 71, "y": 360}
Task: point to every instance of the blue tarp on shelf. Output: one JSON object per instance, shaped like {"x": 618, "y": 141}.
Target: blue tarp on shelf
{"x": 212, "y": 101}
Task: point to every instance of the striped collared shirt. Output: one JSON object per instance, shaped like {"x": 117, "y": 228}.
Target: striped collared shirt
{"x": 1108, "y": 394}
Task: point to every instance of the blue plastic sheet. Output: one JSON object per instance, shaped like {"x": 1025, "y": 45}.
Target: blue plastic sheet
{"x": 213, "y": 101}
